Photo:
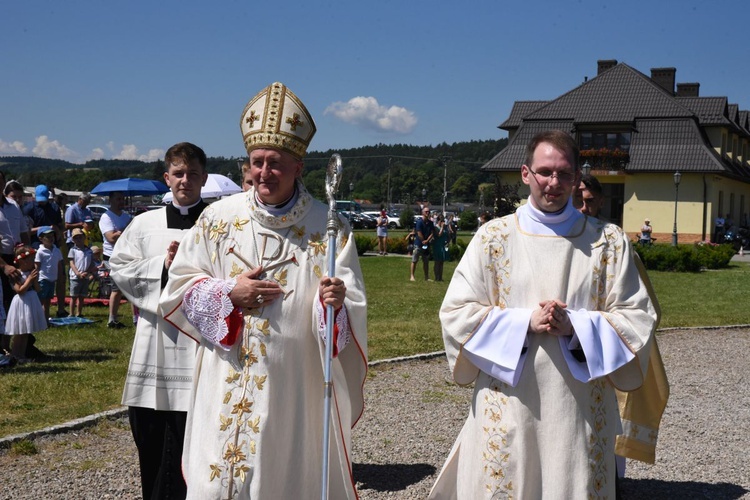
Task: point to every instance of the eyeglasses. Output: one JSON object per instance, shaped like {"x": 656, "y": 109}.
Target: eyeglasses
{"x": 562, "y": 177}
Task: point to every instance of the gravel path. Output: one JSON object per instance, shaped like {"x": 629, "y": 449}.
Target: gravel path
{"x": 414, "y": 414}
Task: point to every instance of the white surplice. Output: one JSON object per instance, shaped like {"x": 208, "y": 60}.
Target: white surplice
{"x": 542, "y": 424}
{"x": 160, "y": 373}
{"x": 254, "y": 429}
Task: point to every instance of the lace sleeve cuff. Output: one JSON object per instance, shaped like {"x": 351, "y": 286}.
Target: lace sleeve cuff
{"x": 209, "y": 309}
{"x": 342, "y": 331}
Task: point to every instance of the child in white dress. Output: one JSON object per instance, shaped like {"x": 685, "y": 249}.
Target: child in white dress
{"x": 25, "y": 314}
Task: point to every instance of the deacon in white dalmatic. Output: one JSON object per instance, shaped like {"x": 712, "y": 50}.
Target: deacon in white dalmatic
{"x": 546, "y": 313}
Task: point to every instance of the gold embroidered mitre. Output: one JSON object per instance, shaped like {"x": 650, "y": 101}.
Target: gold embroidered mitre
{"x": 276, "y": 118}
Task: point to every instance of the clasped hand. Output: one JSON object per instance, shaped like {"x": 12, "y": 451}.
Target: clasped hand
{"x": 552, "y": 318}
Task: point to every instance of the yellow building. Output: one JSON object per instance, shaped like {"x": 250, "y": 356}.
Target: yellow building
{"x": 635, "y": 132}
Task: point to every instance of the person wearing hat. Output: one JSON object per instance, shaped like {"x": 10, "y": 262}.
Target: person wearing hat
{"x": 48, "y": 258}
{"x": 76, "y": 214}
{"x": 90, "y": 232}
{"x": 646, "y": 229}
{"x": 159, "y": 378}
{"x": 249, "y": 284}
{"x": 82, "y": 271}
{"x": 45, "y": 213}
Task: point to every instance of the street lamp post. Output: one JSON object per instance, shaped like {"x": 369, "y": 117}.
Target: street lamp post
{"x": 424, "y": 195}
{"x": 677, "y": 177}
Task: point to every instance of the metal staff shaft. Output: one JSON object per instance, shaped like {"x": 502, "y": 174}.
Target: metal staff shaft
{"x": 333, "y": 176}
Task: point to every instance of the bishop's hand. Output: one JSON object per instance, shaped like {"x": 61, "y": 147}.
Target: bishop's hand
{"x": 251, "y": 292}
{"x": 332, "y": 292}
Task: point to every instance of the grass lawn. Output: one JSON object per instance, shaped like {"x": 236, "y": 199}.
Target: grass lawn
{"x": 87, "y": 364}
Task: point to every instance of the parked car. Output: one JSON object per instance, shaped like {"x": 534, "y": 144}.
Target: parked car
{"x": 368, "y": 221}
{"x": 358, "y": 221}
{"x": 97, "y": 210}
{"x": 393, "y": 222}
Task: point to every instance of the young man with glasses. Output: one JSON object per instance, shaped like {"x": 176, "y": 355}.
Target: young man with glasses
{"x": 547, "y": 314}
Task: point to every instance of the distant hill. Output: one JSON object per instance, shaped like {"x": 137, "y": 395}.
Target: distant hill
{"x": 412, "y": 169}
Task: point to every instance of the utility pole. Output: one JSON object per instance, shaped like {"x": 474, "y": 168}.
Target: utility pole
{"x": 388, "y": 192}
{"x": 445, "y": 160}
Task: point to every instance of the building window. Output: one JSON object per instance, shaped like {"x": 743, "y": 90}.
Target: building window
{"x": 605, "y": 150}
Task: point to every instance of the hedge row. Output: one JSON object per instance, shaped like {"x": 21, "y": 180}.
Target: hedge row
{"x": 685, "y": 258}
{"x": 399, "y": 246}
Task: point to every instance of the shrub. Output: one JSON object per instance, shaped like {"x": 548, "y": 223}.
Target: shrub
{"x": 714, "y": 256}
{"x": 457, "y": 251}
{"x": 468, "y": 221}
{"x": 397, "y": 245}
{"x": 364, "y": 243}
{"x": 406, "y": 218}
{"x": 685, "y": 258}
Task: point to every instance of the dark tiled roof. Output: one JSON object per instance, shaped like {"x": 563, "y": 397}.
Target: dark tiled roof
{"x": 709, "y": 110}
{"x": 668, "y": 145}
{"x": 513, "y": 155}
{"x": 519, "y": 111}
{"x": 745, "y": 120}
{"x": 618, "y": 95}
{"x": 733, "y": 113}
{"x": 667, "y": 134}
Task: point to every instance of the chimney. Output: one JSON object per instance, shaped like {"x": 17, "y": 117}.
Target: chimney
{"x": 603, "y": 65}
{"x": 664, "y": 77}
{"x": 688, "y": 89}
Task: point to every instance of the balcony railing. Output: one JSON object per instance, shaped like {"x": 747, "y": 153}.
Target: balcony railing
{"x": 605, "y": 159}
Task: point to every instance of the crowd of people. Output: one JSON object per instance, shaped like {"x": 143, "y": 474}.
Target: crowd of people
{"x": 236, "y": 308}
{"x": 57, "y": 240}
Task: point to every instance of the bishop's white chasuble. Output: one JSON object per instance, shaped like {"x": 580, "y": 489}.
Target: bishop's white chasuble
{"x": 254, "y": 427}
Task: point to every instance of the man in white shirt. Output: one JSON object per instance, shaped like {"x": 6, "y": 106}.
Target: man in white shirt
{"x": 112, "y": 223}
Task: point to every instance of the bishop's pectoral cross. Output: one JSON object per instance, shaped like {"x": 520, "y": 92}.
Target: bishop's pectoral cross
{"x": 274, "y": 261}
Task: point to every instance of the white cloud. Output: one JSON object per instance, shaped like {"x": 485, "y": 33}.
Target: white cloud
{"x": 96, "y": 154}
{"x": 13, "y": 148}
{"x": 52, "y": 149}
{"x": 130, "y": 152}
{"x": 368, "y": 112}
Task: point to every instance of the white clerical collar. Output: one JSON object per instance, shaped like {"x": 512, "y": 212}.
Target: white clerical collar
{"x": 184, "y": 210}
{"x": 280, "y": 209}
{"x": 533, "y": 220}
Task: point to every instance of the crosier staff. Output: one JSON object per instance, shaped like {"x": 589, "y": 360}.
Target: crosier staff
{"x": 333, "y": 177}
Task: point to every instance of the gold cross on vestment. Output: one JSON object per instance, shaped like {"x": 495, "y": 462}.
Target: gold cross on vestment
{"x": 294, "y": 121}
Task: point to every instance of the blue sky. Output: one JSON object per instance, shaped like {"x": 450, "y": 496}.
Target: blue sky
{"x": 84, "y": 79}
